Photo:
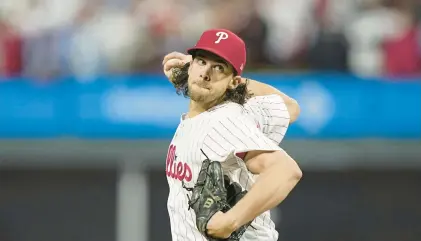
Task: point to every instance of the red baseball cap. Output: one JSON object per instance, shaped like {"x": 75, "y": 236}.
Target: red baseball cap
{"x": 225, "y": 44}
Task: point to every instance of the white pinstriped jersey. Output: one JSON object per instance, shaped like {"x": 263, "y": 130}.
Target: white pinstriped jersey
{"x": 224, "y": 133}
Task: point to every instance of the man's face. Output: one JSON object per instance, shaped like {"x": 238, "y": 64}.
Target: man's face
{"x": 209, "y": 78}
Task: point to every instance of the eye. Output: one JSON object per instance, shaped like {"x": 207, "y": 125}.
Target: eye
{"x": 201, "y": 61}
{"x": 219, "y": 68}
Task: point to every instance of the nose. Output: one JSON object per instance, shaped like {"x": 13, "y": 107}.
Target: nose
{"x": 206, "y": 73}
{"x": 205, "y": 77}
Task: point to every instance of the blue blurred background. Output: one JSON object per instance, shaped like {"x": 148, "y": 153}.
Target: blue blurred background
{"x": 86, "y": 114}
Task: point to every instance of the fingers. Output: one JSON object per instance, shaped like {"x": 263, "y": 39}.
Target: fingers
{"x": 173, "y": 55}
{"x": 172, "y": 63}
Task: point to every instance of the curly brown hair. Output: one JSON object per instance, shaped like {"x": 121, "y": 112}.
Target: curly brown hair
{"x": 180, "y": 77}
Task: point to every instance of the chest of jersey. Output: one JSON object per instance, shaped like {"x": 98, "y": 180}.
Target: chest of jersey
{"x": 184, "y": 157}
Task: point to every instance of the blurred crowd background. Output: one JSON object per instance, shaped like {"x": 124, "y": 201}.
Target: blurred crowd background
{"x": 50, "y": 38}
{"x": 86, "y": 114}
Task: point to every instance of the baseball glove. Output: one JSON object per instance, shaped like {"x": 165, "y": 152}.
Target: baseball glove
{"x": 213, "y": 192}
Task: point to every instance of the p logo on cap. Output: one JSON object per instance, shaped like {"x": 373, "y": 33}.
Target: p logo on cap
{"x": 221, "y": 36}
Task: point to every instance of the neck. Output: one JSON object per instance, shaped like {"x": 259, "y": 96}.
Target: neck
{"x": 196, "y": 108}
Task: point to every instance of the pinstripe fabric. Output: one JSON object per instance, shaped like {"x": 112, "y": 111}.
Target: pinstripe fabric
{"x": 221, "y": 133}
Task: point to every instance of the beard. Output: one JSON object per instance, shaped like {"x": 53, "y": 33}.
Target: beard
{"x": 204, "y": 94}
{"x": 199, "y": 93}
{"x": 197, "y": 97}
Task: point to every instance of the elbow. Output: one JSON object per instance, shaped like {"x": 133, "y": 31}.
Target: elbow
{"x": 291, "y": 170}
{"x": 293, "y": 177}
{"x": 293, "y": 109}
{"x": 279, "y": 163}
{"x": 296, "y": 174}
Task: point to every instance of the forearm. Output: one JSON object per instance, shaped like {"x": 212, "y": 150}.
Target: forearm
{"x": 261, "y": 89}
{"x": 270, "y": 189}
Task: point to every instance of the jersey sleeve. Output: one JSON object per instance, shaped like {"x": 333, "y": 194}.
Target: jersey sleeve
{"x": 271, "y": 113}
{"x": 235, "y": 135}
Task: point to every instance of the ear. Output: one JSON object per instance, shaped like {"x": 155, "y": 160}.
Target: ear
{"x": 236, "y": 80}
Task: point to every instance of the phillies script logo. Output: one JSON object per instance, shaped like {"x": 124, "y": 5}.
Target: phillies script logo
{"x": 175, "y": 169}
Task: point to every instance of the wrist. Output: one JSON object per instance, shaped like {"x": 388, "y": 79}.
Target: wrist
{"x": 235, "y": 222}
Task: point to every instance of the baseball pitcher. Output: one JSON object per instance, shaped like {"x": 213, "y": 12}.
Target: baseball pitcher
{"x": 224, "y": 166}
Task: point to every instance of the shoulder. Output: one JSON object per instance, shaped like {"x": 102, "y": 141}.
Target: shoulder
{"x": 264, "y": 100}
{"x": 230, "y": 115}
{"x": 227, "y": 110}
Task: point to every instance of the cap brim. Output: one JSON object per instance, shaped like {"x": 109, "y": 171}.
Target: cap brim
{"x": 214, "y": 51}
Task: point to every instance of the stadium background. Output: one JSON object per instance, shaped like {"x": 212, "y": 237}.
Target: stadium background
{"x": 86, "y": 114}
